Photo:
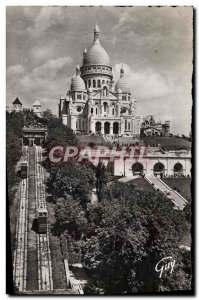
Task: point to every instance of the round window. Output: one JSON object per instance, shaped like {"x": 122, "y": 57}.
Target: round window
{"x": 79, "y": 108}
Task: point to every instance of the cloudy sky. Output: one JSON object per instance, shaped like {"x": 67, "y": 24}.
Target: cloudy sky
{"x": 44, "y": 44}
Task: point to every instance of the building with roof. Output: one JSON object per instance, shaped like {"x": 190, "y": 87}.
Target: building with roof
{"x": 37, "y": 108}
{"x": 17, "y": 106}
{"x": 150, "y": 127}
{"x": 93, "y": 103}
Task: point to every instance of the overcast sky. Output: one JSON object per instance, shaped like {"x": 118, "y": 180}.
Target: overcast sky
{"x": 44, "y": 44}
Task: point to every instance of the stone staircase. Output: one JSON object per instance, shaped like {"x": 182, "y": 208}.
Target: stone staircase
{"x": 174, "y": 196}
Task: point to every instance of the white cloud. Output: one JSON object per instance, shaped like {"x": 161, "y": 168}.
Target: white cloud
{"x": 47, "y": 17}
{"x": 41, "y": 53}
{"x": 146, "y": 83}
{"x": 14, "y": 70}
{"x": 161, "y": 96}
{"x": 44, "y": 82}
{"x": 51, "y": 66}
{"x": 40, "y": 77}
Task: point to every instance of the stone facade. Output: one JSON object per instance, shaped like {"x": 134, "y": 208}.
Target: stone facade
{"x": 94, "y": 104}
{"x": 37, "y": 108}
{"x": 17, "y": 106}
{"x": 150, "y": 127}
{"x": 151, "y": 163}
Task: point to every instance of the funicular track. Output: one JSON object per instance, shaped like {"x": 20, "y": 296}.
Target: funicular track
{"x": 44, "y": 259}
{"x": 32, "y": 260}
{"x": 20, "y": 253}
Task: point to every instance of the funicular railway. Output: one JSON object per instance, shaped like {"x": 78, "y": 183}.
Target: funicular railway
{"x": 32, "y": 270}
{"x": 32, "y": 262}
{"x": 20, "y": 253}
{"x": 44, "y": 260}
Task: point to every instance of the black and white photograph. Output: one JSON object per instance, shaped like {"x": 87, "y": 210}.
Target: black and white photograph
{"x": 99, "y": 132}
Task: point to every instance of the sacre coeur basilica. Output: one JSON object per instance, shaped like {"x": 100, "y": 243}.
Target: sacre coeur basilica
{"x": 94, "y": 104}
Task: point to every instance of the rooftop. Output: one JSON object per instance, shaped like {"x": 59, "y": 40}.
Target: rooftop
{"x": 17, "y": 101}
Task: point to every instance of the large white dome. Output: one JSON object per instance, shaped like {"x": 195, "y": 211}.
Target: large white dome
{"x": 96, "y": 55}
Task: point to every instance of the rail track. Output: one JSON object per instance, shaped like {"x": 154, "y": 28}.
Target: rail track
{"x": 45, "y": 282}
{"x": 20, "y": 253}
{"x": 43, "y": 249}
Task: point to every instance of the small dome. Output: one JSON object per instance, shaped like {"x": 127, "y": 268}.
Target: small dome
{"x": 122, "y": 83}
{"x": 37, "y": 103}
{"x": 96, "y": 55}
{"x": 77, "y": 84}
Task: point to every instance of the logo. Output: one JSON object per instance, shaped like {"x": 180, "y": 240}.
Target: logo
{"x": 165, "y": 264}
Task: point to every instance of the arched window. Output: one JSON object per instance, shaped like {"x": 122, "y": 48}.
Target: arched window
{"x": 103, "y": 81}
{"x": 107, "y": 128}
{"x": 137, "y": 168}
{"x": 98, "y": 83}
{"x": 105, "y": 106}
{"x": 94, "y": 83}
{"x": 96, "y": 110}
{"x": 113, "y": 111}
{"x": 158, "y": 168}
{"x": 91, "y": 110}
{"x": 178, "y": 168}
{"x": 89, "y": 83}
{"x": 98, "y": 127}
{"x": 115, "y": 128}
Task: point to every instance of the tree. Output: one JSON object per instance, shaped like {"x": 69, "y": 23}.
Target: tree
{"x": 101, "y": 177}
{"x": 134, "y": 230}
{"x": 13, "y": 150}
{"x": 15, "y": 122}
{"x": 71, "y": 179}
{"x": 187, "y": 211}
{"x": 69, "y": 216}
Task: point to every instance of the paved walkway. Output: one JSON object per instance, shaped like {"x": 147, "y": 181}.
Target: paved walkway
{"x": 78, "y": 276}
{"x": 126, "y": 179}
{"x": 174, "y": 196}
